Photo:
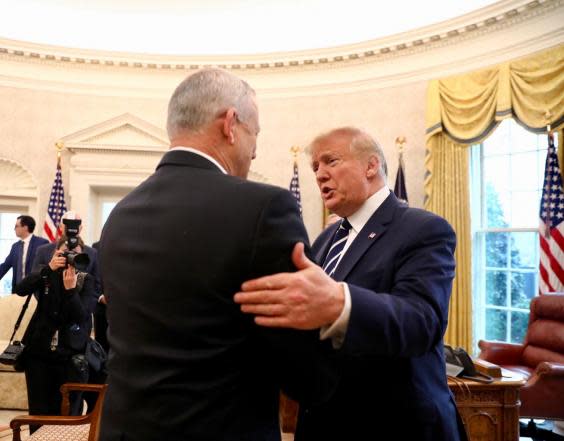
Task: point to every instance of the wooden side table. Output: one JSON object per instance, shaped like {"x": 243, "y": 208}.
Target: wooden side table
{"x": 490, "y": 411}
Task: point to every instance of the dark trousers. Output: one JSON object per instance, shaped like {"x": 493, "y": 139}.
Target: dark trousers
{"x": 44, "y": 377}
{"x": 101, "y": 326}
{"x": 100, "y": 333}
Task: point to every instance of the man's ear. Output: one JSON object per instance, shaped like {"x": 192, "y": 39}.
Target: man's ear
{"x": 229, "y": 125}
{"x": 372, "y": 166}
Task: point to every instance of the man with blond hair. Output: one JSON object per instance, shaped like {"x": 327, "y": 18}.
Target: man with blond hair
{"x": 380, "y": 295}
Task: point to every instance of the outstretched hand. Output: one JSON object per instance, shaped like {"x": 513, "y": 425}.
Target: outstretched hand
{"x": 305, "y": 299}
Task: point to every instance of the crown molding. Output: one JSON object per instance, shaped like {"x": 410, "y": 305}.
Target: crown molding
{"x": 504, "y": 30}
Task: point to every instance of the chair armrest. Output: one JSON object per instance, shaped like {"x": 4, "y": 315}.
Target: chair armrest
{"x": 85, "y": 387}
{"x": 24, "y": 420}
{"x": 66, "y": 388}
{"x": 500, "y": 353}
{"x": 550, "y": 368}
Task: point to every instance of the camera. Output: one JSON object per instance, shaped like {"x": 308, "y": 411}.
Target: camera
{"x": 79, "y": 260}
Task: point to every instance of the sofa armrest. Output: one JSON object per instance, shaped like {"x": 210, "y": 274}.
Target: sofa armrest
{"x": 550, "y": 368}
{"x": 500, "y": 353}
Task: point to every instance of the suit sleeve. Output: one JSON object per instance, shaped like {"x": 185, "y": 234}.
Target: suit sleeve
{"x": 412, "y": 317}
{"x": 29, "y": 284}
{"x": 303, "y": 363}
{"x": 8, "y": 263}
{"x": 95, "y": 272}
{"x": 80, "y": 305}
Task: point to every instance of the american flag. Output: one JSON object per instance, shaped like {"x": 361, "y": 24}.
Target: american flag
{"x": 56, "y": 208}
{"x": 399, "y": 187}
{"x": 551, "y": 225}
{"x": 295, "y": 186}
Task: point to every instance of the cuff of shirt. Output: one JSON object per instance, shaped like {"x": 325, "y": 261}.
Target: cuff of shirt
{"x": 337, "y": 330}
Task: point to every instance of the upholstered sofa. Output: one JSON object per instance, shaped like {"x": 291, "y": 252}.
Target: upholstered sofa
{"x": 13, "y": 394}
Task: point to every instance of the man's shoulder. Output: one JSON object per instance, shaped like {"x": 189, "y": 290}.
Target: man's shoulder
{"x": 244, "y": 188}
{"x": 40, "y": 241}
{"x": 420, "y": 214}
{"x": 420, "y": 221}
{"x": 46, "y": 247}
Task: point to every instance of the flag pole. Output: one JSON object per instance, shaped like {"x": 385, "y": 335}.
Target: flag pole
{"x": 400, "y": 144}
{"x": 60, "y": 146}
{"x": 399, "y": 187}
{"x": 295, "y": 150}
{"x": 295, "y": 181}
{"x": 547, "y": 118}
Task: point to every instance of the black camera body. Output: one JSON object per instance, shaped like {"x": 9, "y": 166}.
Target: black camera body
{"x": 79, "y": 260}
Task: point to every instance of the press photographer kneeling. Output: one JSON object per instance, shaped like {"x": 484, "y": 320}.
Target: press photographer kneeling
{"x": 56, "y": 338}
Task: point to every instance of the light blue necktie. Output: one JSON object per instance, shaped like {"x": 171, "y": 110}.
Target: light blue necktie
{"x": 337, "y": 247}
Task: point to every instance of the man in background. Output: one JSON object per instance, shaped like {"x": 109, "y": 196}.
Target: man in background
{"x": 46, "y": 252}
{"x": 23, "y": 251}
{"x": 185, "y": 363}
{"x": 381, "y": 295}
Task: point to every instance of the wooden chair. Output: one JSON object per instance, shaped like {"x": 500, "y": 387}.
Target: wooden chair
{"x": 57, "y": 428}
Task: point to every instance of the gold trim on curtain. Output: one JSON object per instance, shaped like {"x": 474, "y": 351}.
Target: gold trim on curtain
{"x": 463, "y": 110}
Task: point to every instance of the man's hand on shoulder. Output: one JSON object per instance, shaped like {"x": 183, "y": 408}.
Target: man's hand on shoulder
{"x": 305, "y": 299}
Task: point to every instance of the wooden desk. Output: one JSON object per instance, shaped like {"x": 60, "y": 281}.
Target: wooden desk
{"x": 490, "y": 411}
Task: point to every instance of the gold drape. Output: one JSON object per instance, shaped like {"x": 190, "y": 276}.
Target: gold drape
{"x": 463, "y": 110}
{"x": 450, "y": 161}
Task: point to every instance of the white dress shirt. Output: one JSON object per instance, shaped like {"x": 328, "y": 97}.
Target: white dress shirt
{"x": 24, "y": 255}
{"x": 202, "y": 154}
{"x": 358, "y": 220}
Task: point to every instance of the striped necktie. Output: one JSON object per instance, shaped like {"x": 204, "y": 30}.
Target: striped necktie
{"x": 336, "y": 250}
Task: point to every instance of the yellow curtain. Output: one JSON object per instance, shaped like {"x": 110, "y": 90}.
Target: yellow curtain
{"x": 451, "y": 178}
{"x": 463, "y": 110}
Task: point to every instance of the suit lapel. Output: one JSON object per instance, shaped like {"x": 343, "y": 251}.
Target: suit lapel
{"x": 371, "y": 233}
{"x": 324, "y": 249}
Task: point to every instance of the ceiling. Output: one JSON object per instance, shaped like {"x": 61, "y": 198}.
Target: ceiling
{"x": 210, "y": 27}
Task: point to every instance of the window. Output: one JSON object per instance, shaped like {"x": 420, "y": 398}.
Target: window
{"x": 507, "y": 172}
{"x": 103, "y": 201}
{"x": 7, "y": 239}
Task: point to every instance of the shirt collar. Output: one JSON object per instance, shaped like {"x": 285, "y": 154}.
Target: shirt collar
{"x": 360, "y": 217}
{"x": 28, "y": 238}
{"x": 203, "y": 155}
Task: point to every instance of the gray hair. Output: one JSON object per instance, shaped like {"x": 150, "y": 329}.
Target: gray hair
{"x": 203, "y": 96}
{"x": 361, "y": 144}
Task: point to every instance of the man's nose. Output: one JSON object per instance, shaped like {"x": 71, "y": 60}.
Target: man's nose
{"x": 321, "y": 174}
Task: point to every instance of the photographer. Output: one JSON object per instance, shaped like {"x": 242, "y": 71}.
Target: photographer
{"x": 71, "y": 227}
{"x": 56, "y": 338}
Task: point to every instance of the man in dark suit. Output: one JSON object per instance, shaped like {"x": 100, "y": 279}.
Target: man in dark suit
{"x": 185, "y": 363}
{"x": 45, "y": 253}
{"x": 381, "y": 295}
{"x": 22, "y": 253}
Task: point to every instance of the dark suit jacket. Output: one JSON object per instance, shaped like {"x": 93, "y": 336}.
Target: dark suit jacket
{"x": 45, "y": 253}
{"x": 67, "y": 311}
{"x": 13, "y": 262}
{"x": 185, "y": 362}
{"x": 399, "y": 270}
